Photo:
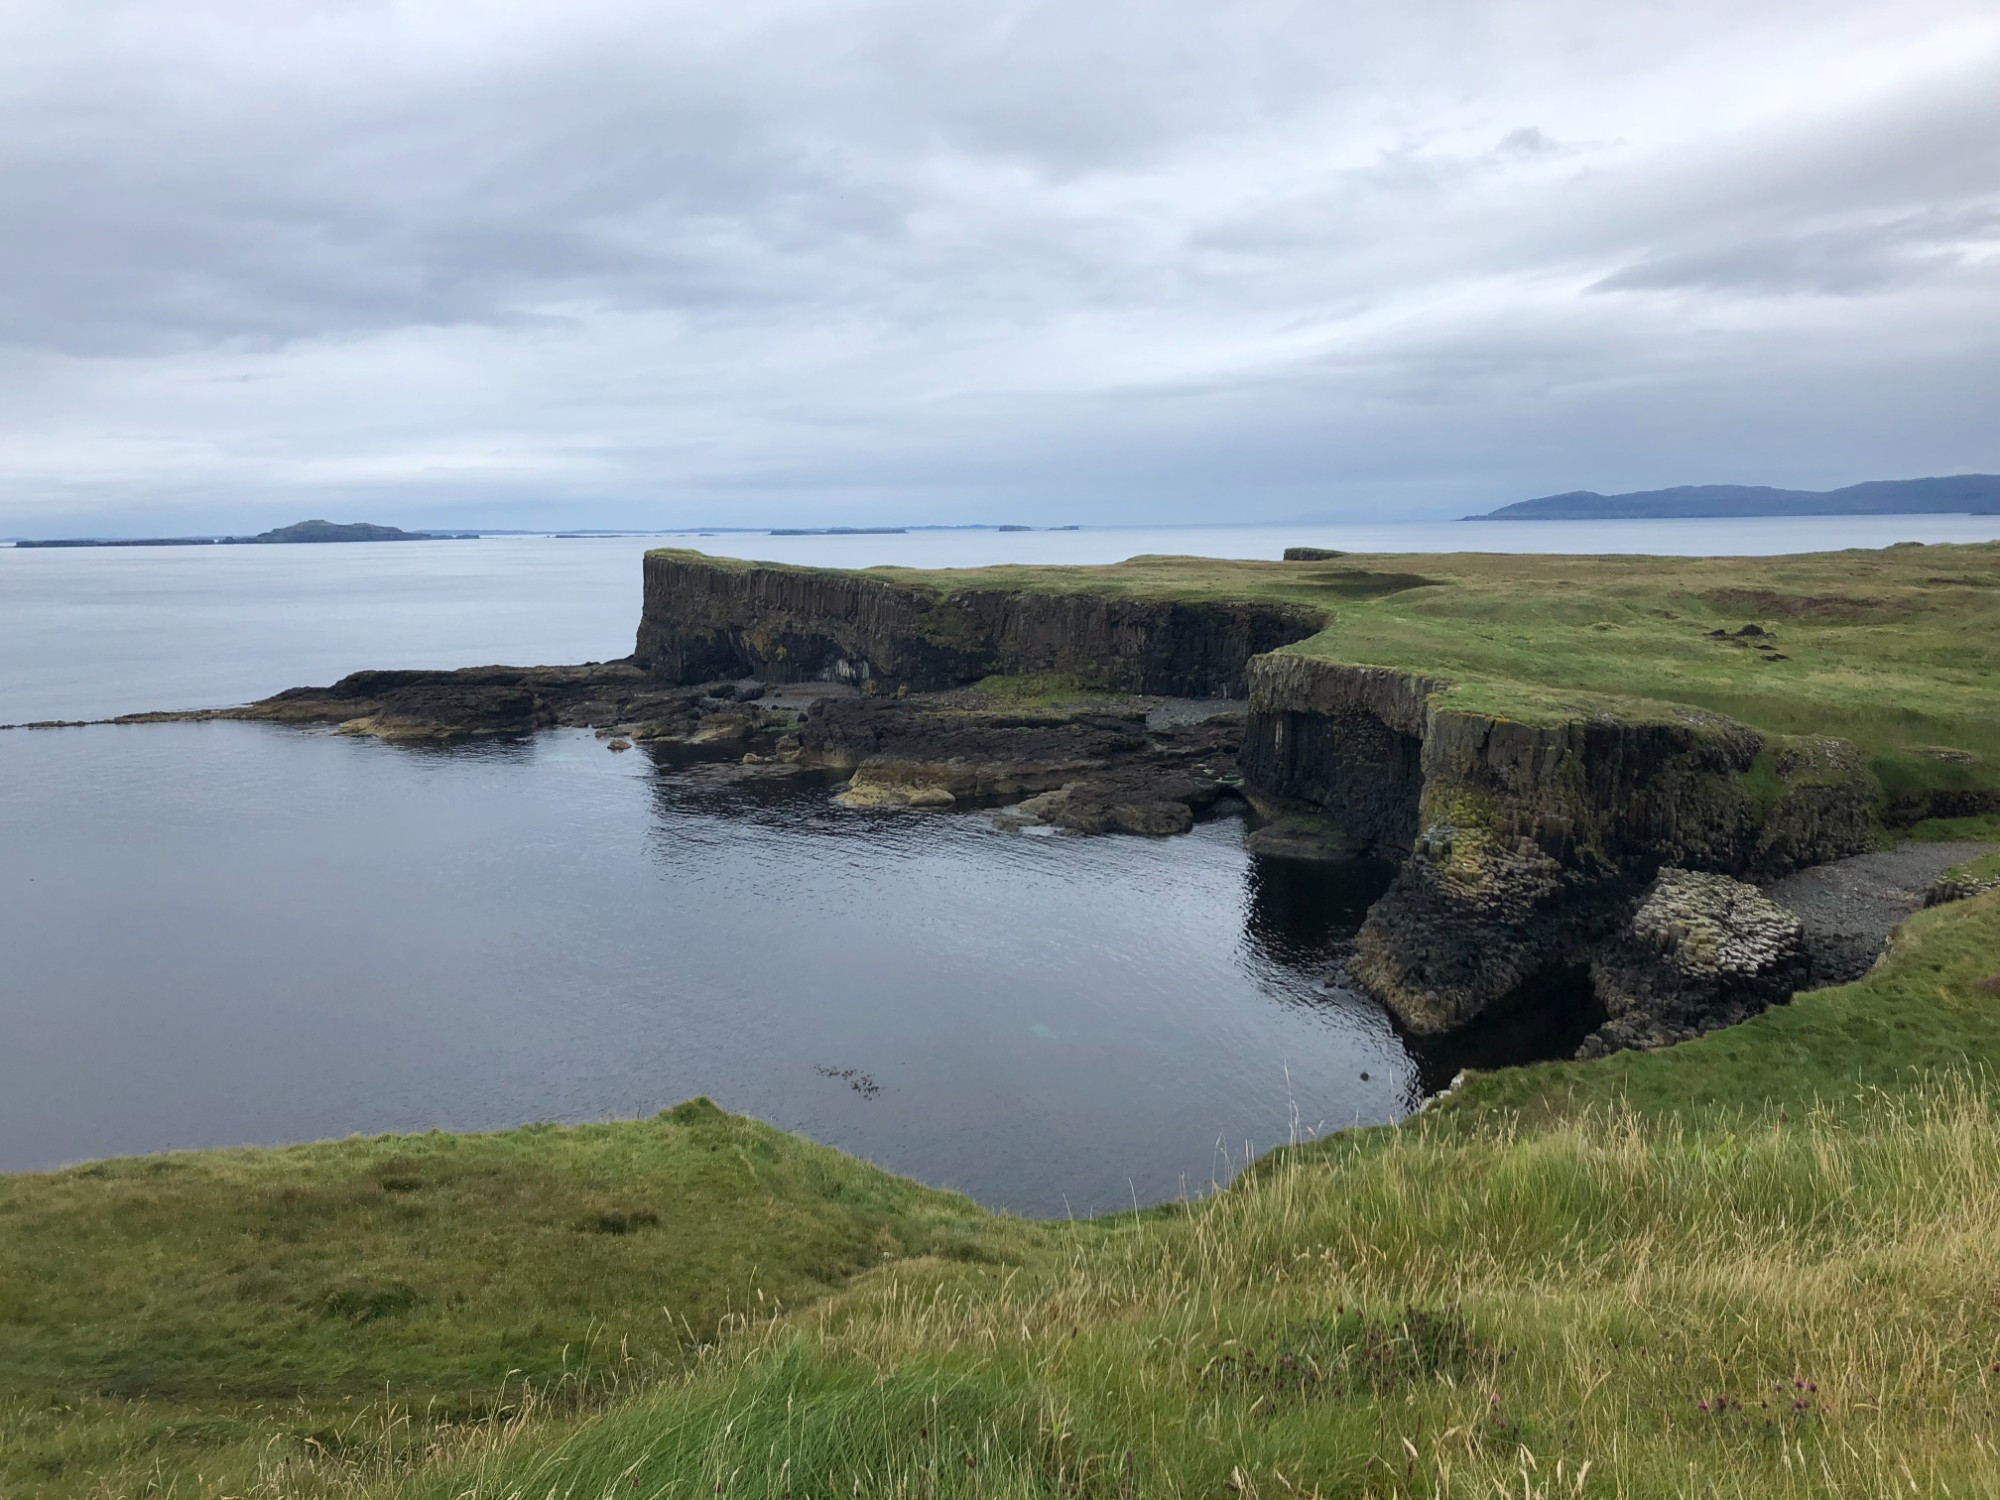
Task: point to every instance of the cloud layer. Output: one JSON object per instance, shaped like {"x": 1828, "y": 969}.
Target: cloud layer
{"x": 598, "y": 262}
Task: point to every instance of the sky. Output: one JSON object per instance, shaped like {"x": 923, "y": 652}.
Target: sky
{"x": 880, "y": 262}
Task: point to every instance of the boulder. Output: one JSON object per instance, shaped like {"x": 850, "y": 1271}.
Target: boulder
{"x": 1701, "y": 951}
{"x": 1304, "y": 836}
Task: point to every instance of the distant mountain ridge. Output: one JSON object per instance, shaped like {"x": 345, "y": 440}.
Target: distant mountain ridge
{"x": 1954, "y": 494}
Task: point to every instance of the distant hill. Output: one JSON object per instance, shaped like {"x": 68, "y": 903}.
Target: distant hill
{"x": 300, "y": 531}
{"x": 339, "y": 531}
{"x": 1956, "y": 494}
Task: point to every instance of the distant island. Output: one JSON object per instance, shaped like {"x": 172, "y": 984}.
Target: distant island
{"x": 302, "y": 531}
{"x": 839, "y": 530}
{"x": 1956, "y": 494}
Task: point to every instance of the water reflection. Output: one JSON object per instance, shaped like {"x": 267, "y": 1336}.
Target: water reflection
{"x": 238, "y": 933}
{"x": 1301, "y": 913}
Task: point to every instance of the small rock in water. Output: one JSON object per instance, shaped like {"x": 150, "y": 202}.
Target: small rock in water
{"x": 619, "y": 744}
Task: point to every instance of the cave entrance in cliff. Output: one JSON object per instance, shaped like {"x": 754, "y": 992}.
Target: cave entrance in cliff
{"x": 1542, "y": 1019}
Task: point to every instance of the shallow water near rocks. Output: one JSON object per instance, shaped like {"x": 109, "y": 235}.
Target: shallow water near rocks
{"x": 234, "y": 933}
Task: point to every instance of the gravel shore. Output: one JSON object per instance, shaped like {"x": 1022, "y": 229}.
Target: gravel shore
{"x": 1850, "y": 907}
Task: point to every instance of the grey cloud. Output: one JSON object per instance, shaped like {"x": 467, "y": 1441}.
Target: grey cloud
{"x": 1851, "y": 261}
{"x": 791, "y": 252}
{"x": 1526, "y": 141}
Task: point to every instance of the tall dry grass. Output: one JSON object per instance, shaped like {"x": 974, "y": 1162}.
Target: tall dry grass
{"x": 1610, "y": 1307}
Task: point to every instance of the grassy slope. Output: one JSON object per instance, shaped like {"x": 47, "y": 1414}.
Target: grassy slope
{"x": 1567, "y": 1260}
{"x": 228, "y": 1307}
{"x": 1986, "y": 867}
{"x": 1896, "y": 650}
{"x": 1687, "y": 1302}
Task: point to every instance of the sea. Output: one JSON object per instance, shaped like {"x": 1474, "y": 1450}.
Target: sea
{"x": 243, "y": 934}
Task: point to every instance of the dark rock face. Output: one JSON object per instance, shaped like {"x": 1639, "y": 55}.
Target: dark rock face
{"x": 1528, "y": 843}
{"x": 1346, "y": 743}
{"x": 704, "y": 619}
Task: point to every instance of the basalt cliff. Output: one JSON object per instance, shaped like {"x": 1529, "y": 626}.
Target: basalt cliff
{"x": 706, "y": 618}
{"x": 1531, "y": 848}
{"x": 1621, "y": 848}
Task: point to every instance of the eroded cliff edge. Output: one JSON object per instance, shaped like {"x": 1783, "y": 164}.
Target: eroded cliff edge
{"x": 707, "y": 619}
{"x": 1609, "y": 842}
{"x": 1551, "y": 839}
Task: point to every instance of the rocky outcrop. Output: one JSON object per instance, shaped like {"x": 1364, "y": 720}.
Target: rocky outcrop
{"x": 1307, "y": 836}
{"x": 1525, "y": 845}
{"x": 478, "y": 702}
{"x": 707, "y": 618}
{"x": 1089, "y": 772}
{"x": 1700, "y": 951}
{"x": 1952, "y": 886}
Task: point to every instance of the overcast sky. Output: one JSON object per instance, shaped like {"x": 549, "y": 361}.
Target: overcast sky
{"x": 590, "y": 262}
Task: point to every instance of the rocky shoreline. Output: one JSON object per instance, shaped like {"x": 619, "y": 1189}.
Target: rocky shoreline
{"x": 1680, "y": 860}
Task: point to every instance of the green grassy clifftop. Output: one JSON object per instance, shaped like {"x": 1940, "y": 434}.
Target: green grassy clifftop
{"x": 1894, "y": 650}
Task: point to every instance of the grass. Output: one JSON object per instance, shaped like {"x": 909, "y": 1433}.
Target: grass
{"x": 1757, "y": 1264}
{"x": 232, "y": 1308}
{"x": 1896, "y": 650}
{"x": 1986, "y": 867}
{"x": 1613, "y": 1307}
{"x": 1982, "y": 828}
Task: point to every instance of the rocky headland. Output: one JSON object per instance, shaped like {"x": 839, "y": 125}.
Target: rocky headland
{"x": 1540, "y": 833}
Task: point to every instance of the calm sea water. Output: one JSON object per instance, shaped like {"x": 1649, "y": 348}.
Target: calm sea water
{"x": 244, "y": 933}
{"x": 233, "y": 933}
